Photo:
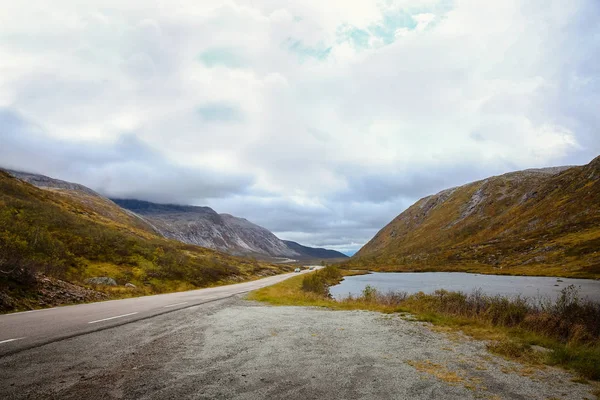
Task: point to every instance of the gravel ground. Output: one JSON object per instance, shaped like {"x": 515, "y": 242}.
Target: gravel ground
{"x": 235, "y": 349}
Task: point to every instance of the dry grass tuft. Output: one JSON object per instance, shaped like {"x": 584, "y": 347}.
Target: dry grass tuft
{"x": 437, "y": 370}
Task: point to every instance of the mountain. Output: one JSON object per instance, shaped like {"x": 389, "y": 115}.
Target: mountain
{"x": 52, "y": 241}
{"x": 86, "y": 198}
{"x": 195, "y": 225}
{"x": 46, "y": 182}
{"x": 314, "y": 252}
{"x": 535, "y": 222}
{"x": 205, "y": 227}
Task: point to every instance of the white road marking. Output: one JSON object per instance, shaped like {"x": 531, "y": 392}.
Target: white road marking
{"x": 108, "y": 319}
{"x": 11, "y": 340}
{"x": 176, "y": 304}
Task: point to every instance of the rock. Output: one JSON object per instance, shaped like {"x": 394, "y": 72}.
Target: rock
{"x": 102, "y": 280}
{"x": 130, "y": 285}
{"x": 535, "y": 260}
{"x": 540, "y": 349}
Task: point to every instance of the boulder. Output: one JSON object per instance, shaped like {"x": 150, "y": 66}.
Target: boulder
{"x": 101, "y": 280}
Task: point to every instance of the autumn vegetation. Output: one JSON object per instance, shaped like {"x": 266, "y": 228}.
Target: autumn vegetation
{"x": 522, "y": 223}
{"x": 64, "y": 237}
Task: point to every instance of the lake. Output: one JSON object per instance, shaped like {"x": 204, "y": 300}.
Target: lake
{"x": 429, "y": 282}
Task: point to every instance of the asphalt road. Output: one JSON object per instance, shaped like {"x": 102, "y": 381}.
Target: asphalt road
{"x": 242, "y": 350}
{"x": 25, "y": 330}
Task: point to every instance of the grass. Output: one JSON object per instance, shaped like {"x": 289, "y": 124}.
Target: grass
{"x": 569, "y": 328}
{"x": 437, "y": 370}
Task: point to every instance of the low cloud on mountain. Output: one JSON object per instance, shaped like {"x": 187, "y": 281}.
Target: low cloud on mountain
{"x": 320, "y": 121}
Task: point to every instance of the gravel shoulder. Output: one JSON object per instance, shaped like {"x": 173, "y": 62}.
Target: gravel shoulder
{"x": 236, "y": 349}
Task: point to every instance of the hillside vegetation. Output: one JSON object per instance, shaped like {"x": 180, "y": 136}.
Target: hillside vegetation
{"x": 73, "y": 236}
{"x": 535, "y": 222}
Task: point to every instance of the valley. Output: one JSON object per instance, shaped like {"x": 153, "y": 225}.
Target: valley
{"x": 300, "y": 200}
{"x": 64, "y": 243}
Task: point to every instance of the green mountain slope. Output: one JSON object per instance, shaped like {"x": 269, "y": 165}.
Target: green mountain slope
{"x": 535, "y": 222}
{"x": 45, "y": 234}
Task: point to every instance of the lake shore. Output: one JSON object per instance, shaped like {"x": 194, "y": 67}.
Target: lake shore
{"x": 533, "y": 287}
{"x": 513, "y": 329}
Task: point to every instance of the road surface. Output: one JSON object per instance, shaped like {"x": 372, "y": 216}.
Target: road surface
{"x": 213, "y": 344}
{"x": 24, "y": 330}
{"x": 242, "y": 350}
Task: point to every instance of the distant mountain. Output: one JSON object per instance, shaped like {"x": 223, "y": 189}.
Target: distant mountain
{"x": 314, "y": 252}
{"x": 205, "y": 227}
{"x": 544, "y": 222}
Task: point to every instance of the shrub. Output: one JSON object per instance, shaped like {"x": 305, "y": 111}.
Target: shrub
{"x": 319, "y": 282}
{"x": 369, "y": 293}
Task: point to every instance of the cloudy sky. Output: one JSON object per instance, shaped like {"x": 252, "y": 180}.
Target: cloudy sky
{"x": 320, "y": 120}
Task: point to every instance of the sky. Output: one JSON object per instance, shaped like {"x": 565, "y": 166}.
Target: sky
{"x": 319, "y": 120}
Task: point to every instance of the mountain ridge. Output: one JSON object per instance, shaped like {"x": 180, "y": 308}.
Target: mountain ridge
{"x": 315, "y": 252}
{"x": 541, "y": 221}
{"x": 205, "y": 227}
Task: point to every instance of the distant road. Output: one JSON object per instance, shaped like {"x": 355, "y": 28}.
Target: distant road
{"x": 24, "y": 330}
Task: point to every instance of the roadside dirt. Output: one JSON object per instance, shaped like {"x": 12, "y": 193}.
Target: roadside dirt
{"x": 26, "y": 291}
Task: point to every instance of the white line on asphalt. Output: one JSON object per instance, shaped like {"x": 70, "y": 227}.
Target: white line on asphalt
{"x": 107, "y": 319}
{"x": 11, "y": 340}
{"x": 176, "y": 304}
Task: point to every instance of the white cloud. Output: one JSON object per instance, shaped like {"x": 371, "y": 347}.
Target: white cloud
{"x": 275, "y": 91}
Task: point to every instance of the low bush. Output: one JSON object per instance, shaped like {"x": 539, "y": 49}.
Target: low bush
{"x": 319, "y": 282}
{"x": 569, "y": 320}
{"x": 570, "y": 326}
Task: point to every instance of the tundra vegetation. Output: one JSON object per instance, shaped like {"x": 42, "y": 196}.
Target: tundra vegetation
{"x": 536, "y": 222}
{"x": 44, "y": 233}
{"x": 517, "y": 327}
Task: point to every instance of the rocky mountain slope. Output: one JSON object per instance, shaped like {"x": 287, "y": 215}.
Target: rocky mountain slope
{"x": 224, "y": 232}
{"x": 314, "y": 252}
{"x": 537, "y": 222}
{"x": 205, "y": 227}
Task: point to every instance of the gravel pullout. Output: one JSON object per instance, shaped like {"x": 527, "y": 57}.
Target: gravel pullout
{"x": 235, "y": 349}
